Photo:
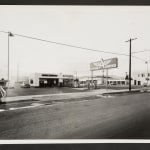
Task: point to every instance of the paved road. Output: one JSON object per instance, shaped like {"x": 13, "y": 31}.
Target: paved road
{"x": 18, "y": 91}
{"x": 120, "y": 117}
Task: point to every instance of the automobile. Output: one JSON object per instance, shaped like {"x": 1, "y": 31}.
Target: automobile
{"x": 145, "y": 85}
{"x": 25, "y": 86}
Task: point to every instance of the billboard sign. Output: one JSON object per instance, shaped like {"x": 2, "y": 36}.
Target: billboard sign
{"x": 104, "y": 64}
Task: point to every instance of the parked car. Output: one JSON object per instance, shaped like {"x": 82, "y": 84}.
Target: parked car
{"x": 25, "y": 86}
{"x": 145, "y": 85}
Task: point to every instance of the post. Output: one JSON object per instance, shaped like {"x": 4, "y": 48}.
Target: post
{"x": 8, "y": 66}
{"x": 106, "y": 79}
{"x": 76, "y": 75}
{"x": 9, "y": 34}
{"x": 147, "y": 72}
{"x": 17, "y": 73}
{"x": 103, "y": 77}
{"x": 92, "y": 78}
{"x": 8, "y": 59}
{"x": 130, "y": 67}
{"x": 130, "y": 63}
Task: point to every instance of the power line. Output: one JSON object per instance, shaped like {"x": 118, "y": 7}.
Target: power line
{"x": 140, "y": 51}
{"x": 73, "y": 46}
{"x": 64, "y": 44}
{"x": 139, "y": 58}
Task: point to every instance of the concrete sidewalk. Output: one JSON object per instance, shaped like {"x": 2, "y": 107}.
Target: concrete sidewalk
{"x": 64, "y": 95}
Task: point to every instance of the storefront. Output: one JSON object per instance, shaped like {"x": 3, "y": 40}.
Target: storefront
{"x": 51, "y": 80}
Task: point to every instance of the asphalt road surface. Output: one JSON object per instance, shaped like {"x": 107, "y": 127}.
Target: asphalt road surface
{"x": 18, "y": 91}
{"x": 119, "y": 117}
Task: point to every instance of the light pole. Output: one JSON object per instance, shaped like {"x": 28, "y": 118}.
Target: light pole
{"x": 76, "y": 74}
{"x": 130, "y": 40}
{"x": 9, "y": 35}
{"x": 147, "y": 72}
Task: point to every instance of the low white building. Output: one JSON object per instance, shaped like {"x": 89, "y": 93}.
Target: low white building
{"x": 141, "y": 77}
{"x": 100, "y": 80}
{"x": 50, "y": 79}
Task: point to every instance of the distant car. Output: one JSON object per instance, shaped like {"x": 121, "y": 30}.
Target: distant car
{"x": 25, "y": 86}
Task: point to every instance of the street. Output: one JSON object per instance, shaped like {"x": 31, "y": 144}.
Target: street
{"x": 116, "y": 117}
{"x": 18, "y": 91}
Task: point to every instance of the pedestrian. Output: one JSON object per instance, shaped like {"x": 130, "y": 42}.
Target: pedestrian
{"x": 2, "y": 93}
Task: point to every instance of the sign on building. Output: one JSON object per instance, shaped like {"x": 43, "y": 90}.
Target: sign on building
{"x": 104, "y": 64}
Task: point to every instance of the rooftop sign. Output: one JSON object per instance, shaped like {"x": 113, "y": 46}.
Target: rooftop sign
{"x": 104, "y": 64}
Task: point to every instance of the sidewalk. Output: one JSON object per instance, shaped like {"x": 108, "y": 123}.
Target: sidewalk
{"x": 65, "y": 95}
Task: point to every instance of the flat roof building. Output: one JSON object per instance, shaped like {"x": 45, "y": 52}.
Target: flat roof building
{"x": 50, "y": 80}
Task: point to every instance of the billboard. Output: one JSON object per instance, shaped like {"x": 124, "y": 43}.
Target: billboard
{"x": 104, "y": 64}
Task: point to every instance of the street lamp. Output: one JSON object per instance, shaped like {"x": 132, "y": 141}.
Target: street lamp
{"x": 9, "y": 35}
{"x": 147, "y": 72}
{"x": 75, "y": 72}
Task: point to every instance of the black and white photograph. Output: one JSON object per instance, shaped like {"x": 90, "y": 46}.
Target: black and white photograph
{"x": 74, "y": 72}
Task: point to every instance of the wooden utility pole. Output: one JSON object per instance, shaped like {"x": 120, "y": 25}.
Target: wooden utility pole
{"x": 130, "y": 62}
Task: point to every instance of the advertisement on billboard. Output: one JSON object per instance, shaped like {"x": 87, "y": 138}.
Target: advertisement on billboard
{"x": 104, "y": 64}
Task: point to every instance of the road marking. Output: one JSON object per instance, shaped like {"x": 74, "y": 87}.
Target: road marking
{"x": 2, "y": 110}
{"x": 36, "y": 104}
{"x": 32, "y": 106}
{"x": 105, "y": 96}
{"x": 20, "y": 107}
{"x": 25, "y": 107}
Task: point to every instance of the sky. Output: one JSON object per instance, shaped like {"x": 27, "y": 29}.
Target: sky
{"x": 104, "y": 28}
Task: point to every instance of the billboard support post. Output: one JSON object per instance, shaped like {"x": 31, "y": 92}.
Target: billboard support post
{"x": 102, "y": 65}
{"x": 103, "y": 77}
{"x": 92, "y": 79}
{"x": 106, "y": 79}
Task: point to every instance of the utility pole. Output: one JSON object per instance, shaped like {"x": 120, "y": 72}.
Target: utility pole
{"x": 9, "y": 34}
{"x": 92, "y": 79}
{"x": 130, "y": 40}
{"x": 106, "y": 79}
{"x": 18, "y": 73}
{"x": 147, "y": 72}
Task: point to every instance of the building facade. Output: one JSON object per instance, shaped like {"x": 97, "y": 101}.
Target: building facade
{"x": 142, "y": 78}
{"x": 100, "y": 80}
{"x": 50, "y": 80}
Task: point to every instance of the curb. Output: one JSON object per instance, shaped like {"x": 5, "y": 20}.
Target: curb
{"x": 65, "y": 95}
{"x": 125, "y": 92}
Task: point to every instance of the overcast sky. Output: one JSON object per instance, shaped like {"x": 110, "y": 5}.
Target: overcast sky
{"x": 103, "y": 28}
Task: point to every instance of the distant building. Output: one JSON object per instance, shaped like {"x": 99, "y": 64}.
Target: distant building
{"x": 98, "y": 80}
{"x": 51, "y": 80}
{"x": 141, "y": 78}
{"x": 103, "y": 80}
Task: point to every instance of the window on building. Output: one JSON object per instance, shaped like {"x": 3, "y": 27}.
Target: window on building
{"x": 148, "y": 74}
{"x": 49, "y": 75}
{"x": 142, "y": 75}
{"x": 138, "y": 75}
{"x": 31, "y": 81}
{"x": 123, "y": 82}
